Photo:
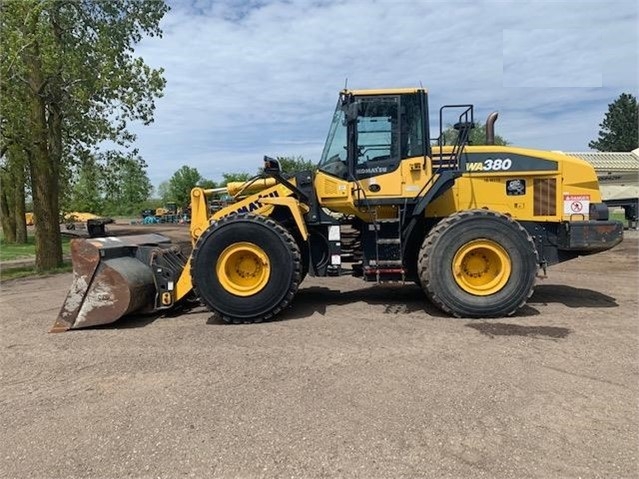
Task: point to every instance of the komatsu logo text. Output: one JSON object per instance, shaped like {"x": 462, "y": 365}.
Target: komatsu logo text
{"x": 253, "y": 205}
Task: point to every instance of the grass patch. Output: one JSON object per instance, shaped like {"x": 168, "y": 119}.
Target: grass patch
{"x": 29, "y": 271}
{"x": 9, "y": 252}
{"x": 618, "y": 215}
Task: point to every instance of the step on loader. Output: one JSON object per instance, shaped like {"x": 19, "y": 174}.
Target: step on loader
{"x": 472, "y": 225}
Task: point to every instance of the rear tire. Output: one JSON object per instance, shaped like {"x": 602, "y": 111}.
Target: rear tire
{"x": 478, "y": 263}
{"x": 246, "y": 268}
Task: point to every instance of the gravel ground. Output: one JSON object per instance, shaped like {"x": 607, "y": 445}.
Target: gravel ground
{"x": 357, "y": 381}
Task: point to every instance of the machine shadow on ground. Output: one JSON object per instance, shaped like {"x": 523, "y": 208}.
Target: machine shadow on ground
{"x": 141, "y": 320}
{"x": 397, "y": 300}
{"x": 493, "y": 330}
{"x": 411, "y": 299}
{"x": 571, "y": 297}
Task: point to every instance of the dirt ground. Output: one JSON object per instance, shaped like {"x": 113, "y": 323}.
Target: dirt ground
{"x": 357, "y": 380}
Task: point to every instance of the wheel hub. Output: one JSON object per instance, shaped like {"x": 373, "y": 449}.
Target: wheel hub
{"x": 243, "y": 269}
{"x": 481, "y": 267}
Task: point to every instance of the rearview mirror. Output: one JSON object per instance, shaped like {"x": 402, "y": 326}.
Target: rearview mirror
{"x": 351, "y": 111}
{"x": 271, "y": 165}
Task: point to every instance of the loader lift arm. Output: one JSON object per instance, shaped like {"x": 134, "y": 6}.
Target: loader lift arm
{"x": 279, "y": 192}
{"x": 114, "y": 277}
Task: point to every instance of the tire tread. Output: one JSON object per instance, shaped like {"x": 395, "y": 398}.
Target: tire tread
{"x": 291, "y": 244}
{"x": 427, "y": 251}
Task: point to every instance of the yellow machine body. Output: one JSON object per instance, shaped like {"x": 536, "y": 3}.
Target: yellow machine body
{"x": 471, "y": 224}
{"x": 476, "y": 188}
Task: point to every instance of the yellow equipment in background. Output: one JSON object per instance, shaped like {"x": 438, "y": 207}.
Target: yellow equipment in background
{"x": 471, "y": 225}
{"x": 79, "y": 217}
{"x": 168, "y": 209}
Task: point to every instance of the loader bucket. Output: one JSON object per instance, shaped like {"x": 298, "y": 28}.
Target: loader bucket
{"x": 110, "y": 279}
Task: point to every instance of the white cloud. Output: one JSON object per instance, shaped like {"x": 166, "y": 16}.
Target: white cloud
{"x": 252, "y": 78}
{"x": 530, "y": 59}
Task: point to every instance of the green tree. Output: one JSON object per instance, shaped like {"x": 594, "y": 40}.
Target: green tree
{"x": 164, "y": 192}
{"x": 234, "y": 177}
{"x": 477, "y": 136}
{"x": 12, "y": 195}
{"x": 126, "y": 184}
{"x": 69, "y": 75}
{"x": 14, "y": 158}
{"x": 181, "y": 184}
{"x": 86, "y": 193}
{"x": 207, "y": 184}
{"x": 620, "y": 126}
{"x": 295, "y": 164}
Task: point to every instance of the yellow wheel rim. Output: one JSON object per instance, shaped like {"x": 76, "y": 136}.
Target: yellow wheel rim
{"x": 243, "y": 269}
{"x": 481, "y": 267}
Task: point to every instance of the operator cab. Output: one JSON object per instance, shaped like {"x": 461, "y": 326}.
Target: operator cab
{"x": 373, "y": 131}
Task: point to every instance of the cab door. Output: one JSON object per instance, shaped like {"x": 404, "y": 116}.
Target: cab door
{"x": 378, "y": 150}
{"x": 390, "y": 135}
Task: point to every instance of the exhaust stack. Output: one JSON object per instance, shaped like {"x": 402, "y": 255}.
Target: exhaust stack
{"x": 490, "y": 128}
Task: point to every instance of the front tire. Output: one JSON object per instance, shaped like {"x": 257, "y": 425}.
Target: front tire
{"x": 477, "y": 264}
{"x": 246, "y": 268}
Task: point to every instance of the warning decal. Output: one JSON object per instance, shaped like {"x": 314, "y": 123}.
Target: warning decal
{"x": 576, "y": 204}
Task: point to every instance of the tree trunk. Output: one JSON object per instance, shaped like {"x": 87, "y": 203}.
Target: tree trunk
{"x": 44, "y": 185}
{"x": 19, "y": 206}
{"x": 45, "y": 208}
{"x": 12, "y": 198}
{"x": 7, "y": 217}
{"x": 44, "y": 168}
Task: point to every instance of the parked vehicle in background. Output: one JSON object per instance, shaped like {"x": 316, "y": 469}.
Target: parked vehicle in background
{"x": 618, "y": 175}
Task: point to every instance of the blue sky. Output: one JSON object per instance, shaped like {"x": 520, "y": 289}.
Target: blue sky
{"x": 249, "y": 78}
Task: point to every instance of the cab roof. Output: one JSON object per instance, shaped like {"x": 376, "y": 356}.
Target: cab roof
{"x": 388, "y": 91}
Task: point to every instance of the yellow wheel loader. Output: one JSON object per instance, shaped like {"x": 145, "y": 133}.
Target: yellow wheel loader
{"x": 471, "y": 224}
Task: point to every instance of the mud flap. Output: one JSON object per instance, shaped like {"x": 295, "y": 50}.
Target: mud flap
{"x": 112, "y": 277}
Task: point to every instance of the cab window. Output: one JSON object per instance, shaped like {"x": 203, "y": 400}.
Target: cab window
{"x": 377, "y": 136}
{"x": 333, "y": 160}
{"x": 389, "y": 129}
{"x": 382, "y": 131}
